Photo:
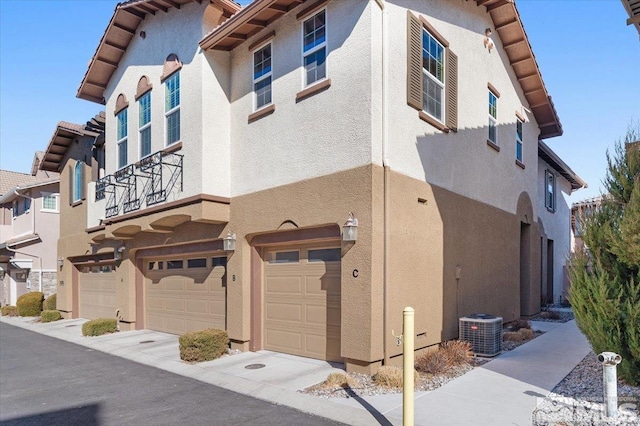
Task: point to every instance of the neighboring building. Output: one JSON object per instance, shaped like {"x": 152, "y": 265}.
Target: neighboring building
{"x": 557, "y": 182}
{"x": 265, "y": 127}
{"x": 580, "y": 210}
{"x": 633, "y": 10}
{"x": 29, "y": 224}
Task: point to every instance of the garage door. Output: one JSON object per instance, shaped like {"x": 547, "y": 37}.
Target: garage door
{"x": 302, "y": 301}
{"x": 185, "y": 294}
{"x": 97, "y": 295}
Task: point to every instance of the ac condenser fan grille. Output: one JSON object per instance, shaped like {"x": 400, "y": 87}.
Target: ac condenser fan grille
{"x": 483, "y": 332}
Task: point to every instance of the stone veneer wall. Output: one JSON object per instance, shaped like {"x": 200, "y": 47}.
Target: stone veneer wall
{"x": 49, "y": 282}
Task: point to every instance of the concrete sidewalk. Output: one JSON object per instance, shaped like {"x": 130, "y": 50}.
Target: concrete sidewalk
{"x": 501, "y": 392}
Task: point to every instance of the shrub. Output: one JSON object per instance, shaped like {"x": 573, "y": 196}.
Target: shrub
{"x": 100, "y": 326}
{"x": 205, "y": 345}
{"x": 50, "y": 315}
{"x": 50, "y": 303}
{"x": 435, "y": 362}
{"x": 391, "y": 377}
{"x": 339, "y": 380}
{"x": 526, "y": 333}
{"x": 520, "y": 324}
{"x": 605, "y": 279}
{"x": 10, "y": 310}
{"x": 30, "y": 304}
{"x": 552, "y": 315}
{"x": 512, "y": 336}
{"x": 456, "y": 352}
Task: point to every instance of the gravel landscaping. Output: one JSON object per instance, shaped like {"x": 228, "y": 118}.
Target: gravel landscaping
{"x": 577, "y": 400}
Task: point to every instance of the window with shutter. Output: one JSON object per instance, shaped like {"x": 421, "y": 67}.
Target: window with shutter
{"x": 432, "y": 75}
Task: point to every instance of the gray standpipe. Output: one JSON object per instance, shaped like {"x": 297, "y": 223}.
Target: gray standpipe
{"x": 609, "y": 362}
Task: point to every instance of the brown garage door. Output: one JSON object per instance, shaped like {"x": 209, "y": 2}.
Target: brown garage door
{"x": 185, "y": 294}
{"x": 97, "y": 295}
{"x": 302, "y": 301}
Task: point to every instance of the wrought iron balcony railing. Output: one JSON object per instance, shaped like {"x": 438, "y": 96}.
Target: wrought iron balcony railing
{"x": 148, "y": 182}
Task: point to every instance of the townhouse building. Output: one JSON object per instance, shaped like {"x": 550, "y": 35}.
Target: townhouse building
{"x": 29, "y": 230}
{"x": 297, "y": 172}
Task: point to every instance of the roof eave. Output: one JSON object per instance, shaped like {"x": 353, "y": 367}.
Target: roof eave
{"x": 551, "y": 158}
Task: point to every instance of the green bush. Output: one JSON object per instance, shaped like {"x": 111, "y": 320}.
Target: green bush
{"x": 99, "y": 326}
{"x": 50, "y": 303}
{"x": 204, "y": 345}
{"x": 30, "y": 304}
{"x": 605, "y": 279}
{"x": 10, "y": 310}
{"x": 50, "y": 315}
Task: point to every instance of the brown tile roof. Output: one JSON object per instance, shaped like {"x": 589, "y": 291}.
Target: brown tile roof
{"x": 9, "y": 180}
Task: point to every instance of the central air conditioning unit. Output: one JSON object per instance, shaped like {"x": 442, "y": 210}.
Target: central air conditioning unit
{"x": 483, "y": 332}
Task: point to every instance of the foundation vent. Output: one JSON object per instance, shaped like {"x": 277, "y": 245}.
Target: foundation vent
{"x": 483, "y": 332}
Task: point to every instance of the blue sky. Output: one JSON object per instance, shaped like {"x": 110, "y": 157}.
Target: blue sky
{"x": 589, "y": 58}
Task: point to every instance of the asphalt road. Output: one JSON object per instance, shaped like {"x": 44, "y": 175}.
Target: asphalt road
{"x": 46, "y": 381}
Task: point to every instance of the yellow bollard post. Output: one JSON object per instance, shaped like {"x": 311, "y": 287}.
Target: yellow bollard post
{"x": 408, "y": 379}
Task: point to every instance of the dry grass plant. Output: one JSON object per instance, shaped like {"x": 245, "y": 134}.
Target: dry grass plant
{"x": 391, "y": 377}
{"x": 519, "y": 324}
{"x": 434, "y": 362}
{"x": 512, "y": 336}
{"x": 456, "y": 352}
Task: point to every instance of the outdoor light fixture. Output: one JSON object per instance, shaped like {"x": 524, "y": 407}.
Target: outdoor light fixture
{"x": 350, "y": 228}
{"x": 117, "y": 254}
{"x": 488, "y": 43}
{"x": 229, "y": 242}
{"x": 60, "y": 262}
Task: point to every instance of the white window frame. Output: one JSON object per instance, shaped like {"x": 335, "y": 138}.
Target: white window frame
{"x": 77, "y": 176}
{"x": 492, "y": 120}
{"x": 550, "y": 202}
{"x": 56, "y": 197}
{"x": 262, "y": 77}
{"x": 144, "y": 126}
{"x": 172, "y": 111}
{"x": 122, "y": 141}
{"x": 314, "y": 49}
{"x": 441, "y": 84}
{"x": 519, "y": 138}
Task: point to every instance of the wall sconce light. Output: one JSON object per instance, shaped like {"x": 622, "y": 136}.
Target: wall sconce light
{"x": 350, "y": 228}
{"x": 229, "y": 242}
{"x": 60, "y": 262}
{"x": 117, "y": 254}
{"x": 488, "y": 43}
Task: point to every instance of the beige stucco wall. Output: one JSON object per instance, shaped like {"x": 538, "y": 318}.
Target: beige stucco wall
{"x": 202, "y": 129}
{"x": 461, "y": 162}
{"x": 557, "y": 225}
{"x": 326, "y": 133}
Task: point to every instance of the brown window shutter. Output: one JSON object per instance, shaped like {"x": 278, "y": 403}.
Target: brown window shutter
{"x": 452, "y": 91}
{"x": 82, "y": 191}
{"x": 414, "y": 61}
{"x": 70, "y": 184}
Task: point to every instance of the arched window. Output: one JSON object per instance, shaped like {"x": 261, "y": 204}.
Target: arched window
{"x": 143, "y": 96}
{"x": 122, "y": 132}
{"x": 171, "y": 79}
{"x": 78, "y": 180}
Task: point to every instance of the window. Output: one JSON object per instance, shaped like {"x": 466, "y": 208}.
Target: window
{"x": 49, "y": 202}
{"x": 78, "y": 178}
{"x": 432, "y": 75}
{"x": 15, "y": 209}
{"x": 314, "y": 48}
{"x": 197, "y": 263}
{"x": 144, "y": 105}
{"x": 219, "y": 261}
{"x": 284, "y": 257}
{"x": 262, "y": 76}
{"x": 174, "y": 264}
{"x": 324, "y": 255}
{"x": 493, "y": 117}
{"x": 519, "y": 140}
{"x": 26, "y": 204}
{"x": 172, "y": 107}
{"x": 121, "y": 130}
{"x": 550, "y": 191}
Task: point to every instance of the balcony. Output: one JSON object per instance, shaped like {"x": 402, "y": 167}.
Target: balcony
{"x": 144, "y": 184}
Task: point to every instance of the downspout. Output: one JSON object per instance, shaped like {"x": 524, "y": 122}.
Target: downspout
{"x": 33, "y": 231}
{"x": 386, "y": 185}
